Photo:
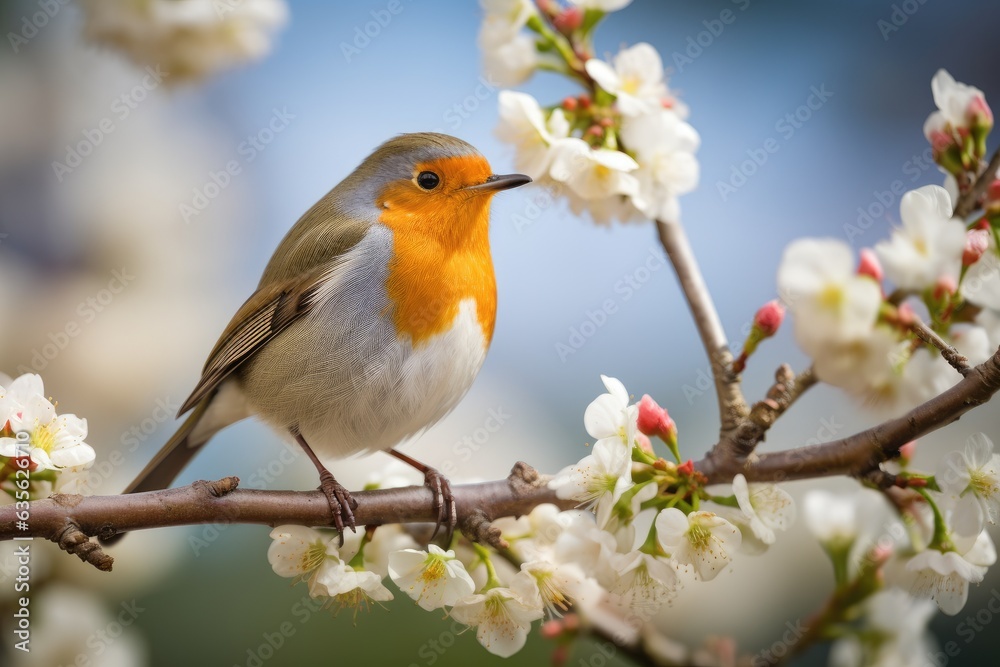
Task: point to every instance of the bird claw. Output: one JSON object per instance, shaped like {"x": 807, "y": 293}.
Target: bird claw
{"x": 444, "y": 503}
{"x": 341, "y": 503}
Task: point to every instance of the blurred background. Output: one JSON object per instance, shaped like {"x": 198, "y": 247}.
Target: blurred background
{"x": 118, "y": 273}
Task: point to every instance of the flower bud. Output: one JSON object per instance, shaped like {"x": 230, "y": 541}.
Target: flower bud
{"x": 869, "y": 265}
{"x": 944, "y": 287}
{"x": 654, "y": 420}
{"x": 552, "y": 629}
{"x": 686, "y": 468}
{"x": 644, "y": 443}
{"x": 584, "y": 101}
{"x": 980, "y": 118}
{"x": 906, "y": 453}
{"x": 905, "y": 314}
{"x": 769, "y": 318}
{"x": 992, "y": 201}
{"x": 977, "y": 242}
{"x": 568, "y": 20}
{"x": 765, "y": 324}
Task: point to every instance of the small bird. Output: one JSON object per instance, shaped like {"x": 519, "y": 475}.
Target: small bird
{"x": 371, "y": 321}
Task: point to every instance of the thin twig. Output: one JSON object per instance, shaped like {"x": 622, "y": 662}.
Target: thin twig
{"x": 931, "y": 337}
{"x": 783, "y": 393}
{"x": 732, "y": 405}
{"x": 968, "y": 202}
{"x": 864, "y": 451}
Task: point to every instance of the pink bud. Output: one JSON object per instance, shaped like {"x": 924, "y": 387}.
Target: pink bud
{"x": 644, "y": 443}
{"x": 560, "y": 654}
{"x": 769, "y": 318}
{"x": 977, "y": 242}
{"x": 570, "y": 104}
{"x": 905, "y": 314}
{"x": 945, "y": 286}
{"x": 595, "y": 131}
{"x": 571, "y": 622}
{"x": 552, "y": 629}
{"x": 881, "y": 553}
{"x": 568, "y": 20}
{"x": 993, "y": 191}
{"x": 907, "y": 451}
{"x": 940, "y": 140}
{"x": 686, "y": 468}
{"x": 979, "y": 112}
{"x": 585, "y": 101}
{"x": 654, "y": 420}
{"x": 869, "y": 265}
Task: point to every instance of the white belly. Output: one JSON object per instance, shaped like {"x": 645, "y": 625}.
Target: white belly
{"x": 347, "y": 382}
{"x": 404, "y": 392}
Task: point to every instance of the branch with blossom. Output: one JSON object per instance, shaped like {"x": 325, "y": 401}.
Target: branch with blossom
{"x": 908, "y": 328}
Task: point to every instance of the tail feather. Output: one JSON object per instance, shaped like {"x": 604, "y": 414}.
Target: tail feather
{"x": 172, "y": 458}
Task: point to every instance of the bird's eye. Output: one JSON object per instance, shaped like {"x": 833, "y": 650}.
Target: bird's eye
{"x": 428, "y": 180}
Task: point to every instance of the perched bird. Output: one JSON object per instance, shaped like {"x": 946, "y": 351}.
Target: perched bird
{"x": 370, "y": 322}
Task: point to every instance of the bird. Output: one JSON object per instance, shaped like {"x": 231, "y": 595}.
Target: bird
{"x": 369, "y": 324}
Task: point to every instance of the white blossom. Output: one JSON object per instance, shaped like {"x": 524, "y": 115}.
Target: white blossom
{"x": 509, "y": 56}
{"x": 642, "y": 582}
{"x": 303, "y": 553}
{"x": 975, "y": 470}
{"x": 349, "y": 587}
{"x": 593, "y": 174}
{"x": 664, "y": 147}
{"x": 54, "y": 441}
{"x": 602, "y": 5}
{"x": 502, "y": 618}
{"x": 765, "y": 508}
{"x": 981, "y": 284}
{"x": 702, "y": 540}
{"x": 928, "y": 246}
{"x": 944, "y": 572}
{"x": 830, "y": 302}
{"x": 523, "y": 124}
{"x": 188, "y": 39}
{"x": 555, "y": 584}
{"x": 635, "y": 78}
{"x": 610, "y": 417}
{"x": 894, "y": 634}
{"x": 598, "y": 480}
{"x": 434, "y": 578}
{"x": 832, "y": 518}
{"x": 955, "y": 102}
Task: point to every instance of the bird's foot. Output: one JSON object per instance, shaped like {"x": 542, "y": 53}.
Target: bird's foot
{"x": 340, "y": 501}
{"x": 444, "y": 503}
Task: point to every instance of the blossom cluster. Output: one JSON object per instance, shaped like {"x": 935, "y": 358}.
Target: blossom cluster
{"x": 37, "y": 441}
{"x": 892, "y": 567}
{"x": 621, "y": 149}
{"x": 645, "y": 526}
{"x": 188, "y": 39}
{"x": 856, "y": 318}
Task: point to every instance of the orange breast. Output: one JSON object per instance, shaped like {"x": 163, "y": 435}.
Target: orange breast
{"x": 441, "y": 253}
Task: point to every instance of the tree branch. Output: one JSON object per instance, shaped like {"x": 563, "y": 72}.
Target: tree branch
{"x": 732, "y": 405}
{"x": 968, "y": 202}
{"x": 955, "y": 358}
{"x": 864, "y": 451}
{"x": 751, "y": 431}
{"x": 81, "y": 517}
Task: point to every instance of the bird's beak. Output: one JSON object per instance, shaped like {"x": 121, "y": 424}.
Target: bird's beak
{"x": 497, "y": 182}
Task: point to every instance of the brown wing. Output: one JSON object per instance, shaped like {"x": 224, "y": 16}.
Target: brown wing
{"x": 265, "y": 314}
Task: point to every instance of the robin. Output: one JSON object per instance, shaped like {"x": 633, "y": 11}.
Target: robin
{"x": 370, "y": 322}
